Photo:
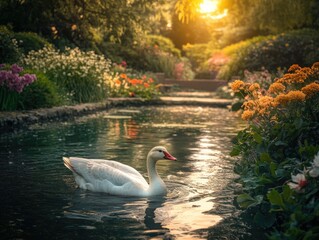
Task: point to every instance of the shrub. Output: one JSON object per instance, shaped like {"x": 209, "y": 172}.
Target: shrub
{"x": 42, "y": 93}
{"x": 28, "y": 41}
{"x": 279, "y": 167}
{"x": 163, "y": 43}
{"x": 81, "y": 74}
{"x": 156, "y": 60}
{"x": 9, "y": 50}
{"x": 272, "y": 52}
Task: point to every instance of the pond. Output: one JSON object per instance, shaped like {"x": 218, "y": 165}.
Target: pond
{"x": 40, "y": 199}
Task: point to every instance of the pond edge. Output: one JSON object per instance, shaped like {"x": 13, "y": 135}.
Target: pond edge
{"x": 10, "y": 121}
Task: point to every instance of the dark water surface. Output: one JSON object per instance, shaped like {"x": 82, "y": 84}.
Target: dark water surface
{"x": 39, "y": 198}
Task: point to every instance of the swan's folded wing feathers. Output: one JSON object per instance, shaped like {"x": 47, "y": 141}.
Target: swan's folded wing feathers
{"x": 98, "y": 170}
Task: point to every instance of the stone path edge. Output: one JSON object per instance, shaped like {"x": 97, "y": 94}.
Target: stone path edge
{"x": 10, "y": 121}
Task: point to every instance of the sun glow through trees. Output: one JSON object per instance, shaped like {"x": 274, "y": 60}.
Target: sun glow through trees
{"x": 209, "y": 8}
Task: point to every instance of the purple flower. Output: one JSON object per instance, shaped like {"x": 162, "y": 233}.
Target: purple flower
{"x": 12, "y": 80}
{"x": 16, "y": 69}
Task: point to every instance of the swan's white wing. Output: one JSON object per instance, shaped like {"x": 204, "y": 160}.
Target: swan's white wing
{"x": 95, "y": 171}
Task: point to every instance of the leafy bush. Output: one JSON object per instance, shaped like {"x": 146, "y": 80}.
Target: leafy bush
{"x": 81, "y": 74}
{"x": 28, "y": 41}
{"x": 279, "y": 168}
{"x": 272, "y": 52}
{"x": 163, "y": 43}
{"x": 155, "y": 60}
{"x": 9, "y": 50}
{"x": 42, "y": 93}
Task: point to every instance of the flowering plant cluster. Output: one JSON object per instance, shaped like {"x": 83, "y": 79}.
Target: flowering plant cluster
{"x": 279, "y": 168}
{"x": 12, "y": 83}
{"x": 81, "y": 74}
{"x": 138, "y": 86}
{"x": 12, "y": 79}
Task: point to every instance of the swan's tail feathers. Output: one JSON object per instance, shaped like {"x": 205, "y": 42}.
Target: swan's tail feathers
{"x": 68, "y": 164}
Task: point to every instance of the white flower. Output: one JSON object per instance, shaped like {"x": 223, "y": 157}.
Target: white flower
{"x": 298, "y": 182}
{"x": 316, "y": 161}
{"x": 314, "y": 171}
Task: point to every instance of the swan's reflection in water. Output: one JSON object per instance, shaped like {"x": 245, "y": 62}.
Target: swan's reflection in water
{"x": 179, "y": 214}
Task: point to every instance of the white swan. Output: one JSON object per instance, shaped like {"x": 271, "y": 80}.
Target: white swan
{"x": 119, "y": 179}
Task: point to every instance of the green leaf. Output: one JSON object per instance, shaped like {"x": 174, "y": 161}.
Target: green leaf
{"x": 280, "y": 143}
{"x": 258, "y": 138}
{"x": 236, "y": 106}
{"x": 245, "y": 200}
{"x": 273, "y": 169}
{"x": 275, "y": 199}
{"x": 265, "y": 157}
{"x": 264, "y": 220}
{"x": 287, "y": 194}
{"x": 235, "y": 151}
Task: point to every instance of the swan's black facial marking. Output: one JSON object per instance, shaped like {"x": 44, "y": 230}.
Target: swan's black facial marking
{"x": 160, "y": 151}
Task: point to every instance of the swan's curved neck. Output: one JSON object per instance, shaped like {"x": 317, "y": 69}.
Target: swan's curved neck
{"x": 156, "y": 184}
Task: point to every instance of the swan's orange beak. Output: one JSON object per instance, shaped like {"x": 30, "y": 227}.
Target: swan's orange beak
{"x": 169, "y": 156}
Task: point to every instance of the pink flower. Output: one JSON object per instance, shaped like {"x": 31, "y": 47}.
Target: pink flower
{"x": 298, "y": 182}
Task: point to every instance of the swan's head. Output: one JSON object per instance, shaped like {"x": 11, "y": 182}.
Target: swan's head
{"x": 159, "y": 152}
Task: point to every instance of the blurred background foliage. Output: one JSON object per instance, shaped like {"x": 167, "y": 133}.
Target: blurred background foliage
{"x": 153, "y": 35}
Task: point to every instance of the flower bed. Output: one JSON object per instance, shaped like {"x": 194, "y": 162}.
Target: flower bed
{"x": 12, "y": 83}
{"x": 279, "y": 167}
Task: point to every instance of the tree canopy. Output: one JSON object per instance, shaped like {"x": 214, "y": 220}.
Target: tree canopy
{"x": 82, "y": 21}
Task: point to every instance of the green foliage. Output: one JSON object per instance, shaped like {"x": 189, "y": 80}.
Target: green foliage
{"x": 271, "y": 16}
{"x": 9, "y": 50}
{"x": 8, "y": 99}
{"x": 84, "y": 23}
{"x": 271, "y": 52}
{"x": 30, "y": 41}
{"x": 163, "y": 43}
{"x": 43, "y": 93}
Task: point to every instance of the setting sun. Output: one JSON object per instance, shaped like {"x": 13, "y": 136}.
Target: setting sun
{"x": 208, "y": 6}
{"x": 209, "y": 9}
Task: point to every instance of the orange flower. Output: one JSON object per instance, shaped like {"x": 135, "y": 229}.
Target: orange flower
{"x": 294, "y": 68}
{"x": 250, "y": 104}
{"x": 247, "y": 115}
{"x": 292, "y": 96}
{"x": 253, "y": 87}
{"x": 147, "y": 85}
{"x": 118, "y": 82}
{"x": 135, "y": 81}
{"x": 276, "y": 88}
{"x": 123, "y": 75}
{"x": 237, "y": 85}
{"x": 311, "y": 89}
{"x": 315, "y": 67}
{"x": 150, "y": 80}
